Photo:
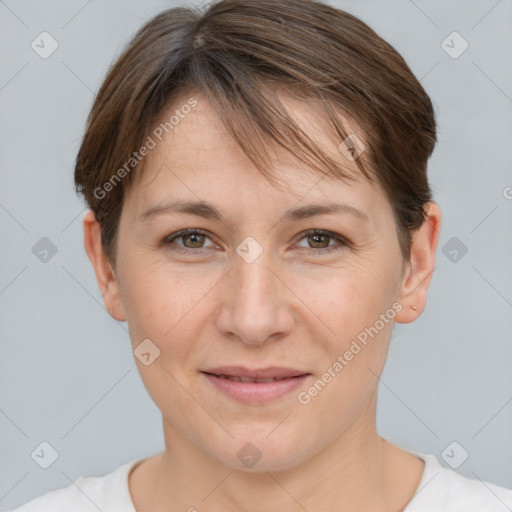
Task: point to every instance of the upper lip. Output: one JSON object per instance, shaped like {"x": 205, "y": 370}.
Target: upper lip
{"x": 257, "y": 373}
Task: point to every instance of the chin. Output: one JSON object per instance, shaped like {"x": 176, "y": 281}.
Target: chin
{"x": 257, "y": 453}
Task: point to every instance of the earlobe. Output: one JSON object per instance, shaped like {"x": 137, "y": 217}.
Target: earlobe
{"x": 418, "y": 275}
{"x": 105, "y": 276}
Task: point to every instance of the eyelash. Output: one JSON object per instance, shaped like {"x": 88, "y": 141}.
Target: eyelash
{"x": 195, "y": 231}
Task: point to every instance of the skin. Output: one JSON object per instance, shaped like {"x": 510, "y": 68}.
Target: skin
{"x": 294, "y": 306}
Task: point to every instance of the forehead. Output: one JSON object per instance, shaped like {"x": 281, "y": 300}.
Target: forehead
{"x": 195, "y": 156}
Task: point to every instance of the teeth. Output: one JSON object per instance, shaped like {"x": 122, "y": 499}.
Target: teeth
{"x": 246, "y": 379}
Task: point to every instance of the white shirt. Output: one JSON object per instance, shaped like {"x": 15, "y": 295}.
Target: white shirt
{"x": 440, "y": 490}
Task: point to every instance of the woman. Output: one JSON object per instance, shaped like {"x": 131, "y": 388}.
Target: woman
{"x": 260, "y": 216}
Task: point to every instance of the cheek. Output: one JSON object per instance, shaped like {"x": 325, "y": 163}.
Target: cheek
{"x": 350, "y": 298}
{"x": 161, "y": 299}
{"x": 355, "y": 352}
{"x": 350, "y": 303}
{"x": 172, "y": 309}
{"x": 166, "y": 308}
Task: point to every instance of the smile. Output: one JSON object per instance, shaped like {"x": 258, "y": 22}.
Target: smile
{"x": 255, "y": 386}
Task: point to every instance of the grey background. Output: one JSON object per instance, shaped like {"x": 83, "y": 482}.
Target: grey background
{"x": 67, "y": 373}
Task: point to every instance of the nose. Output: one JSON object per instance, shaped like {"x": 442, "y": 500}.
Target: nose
{"x": 256, "y": 307}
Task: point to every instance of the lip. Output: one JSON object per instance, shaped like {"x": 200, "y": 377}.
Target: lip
{"x": 256, "y": 392}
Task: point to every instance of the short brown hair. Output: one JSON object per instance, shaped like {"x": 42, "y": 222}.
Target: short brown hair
{"x": 237, "y": 54}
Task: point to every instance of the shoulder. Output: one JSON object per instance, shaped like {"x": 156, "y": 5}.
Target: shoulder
{"x": 444, "y": 490}
{"x": 88, "y": 494}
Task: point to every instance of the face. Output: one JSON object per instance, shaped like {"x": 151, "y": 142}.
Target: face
{"x": 253, "y": 287}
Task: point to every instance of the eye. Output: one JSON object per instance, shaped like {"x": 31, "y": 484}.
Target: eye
{"x": 191, "y": 238}
{"x": 319, "y": 241}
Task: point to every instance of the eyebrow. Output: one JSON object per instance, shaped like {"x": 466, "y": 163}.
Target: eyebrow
{"x": 208, "y": 211}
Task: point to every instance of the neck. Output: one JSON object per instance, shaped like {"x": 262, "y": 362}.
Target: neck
{"x": 358, "y": 471}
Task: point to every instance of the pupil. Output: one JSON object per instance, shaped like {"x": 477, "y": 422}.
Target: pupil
{"x": 316, "y": 239}
{"x": 195, "y": 239}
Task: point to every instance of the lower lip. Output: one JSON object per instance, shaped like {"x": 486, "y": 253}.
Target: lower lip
{"x": 256, "y": 392}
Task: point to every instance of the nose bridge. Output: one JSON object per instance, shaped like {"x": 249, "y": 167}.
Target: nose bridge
{"x": 254, "y": 308}
{"x": 254, "y": 283}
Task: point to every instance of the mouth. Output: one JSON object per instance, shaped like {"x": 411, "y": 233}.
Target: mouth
{"x": 255, "y": 385}
{"x": 237, "y": 378}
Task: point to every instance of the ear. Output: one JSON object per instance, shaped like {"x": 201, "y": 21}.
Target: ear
{"x": 105, "y": 275}
{"x": 419, "y": 269}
